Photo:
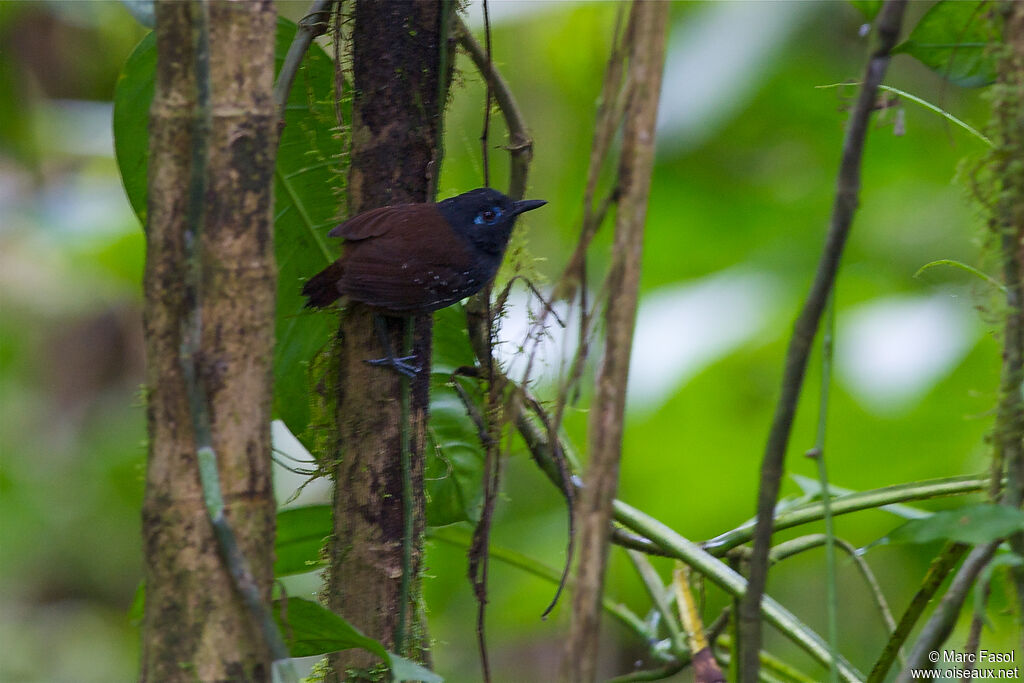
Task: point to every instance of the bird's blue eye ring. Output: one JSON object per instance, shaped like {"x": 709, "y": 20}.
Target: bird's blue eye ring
{"x": 488, "y": 216}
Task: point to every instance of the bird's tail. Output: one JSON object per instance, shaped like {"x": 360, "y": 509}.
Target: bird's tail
{"x": 321, "y": 290}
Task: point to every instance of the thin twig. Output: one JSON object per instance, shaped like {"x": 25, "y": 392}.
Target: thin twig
{"x": 804, "y": 543}
{"x": 805, "y": 329}
{"x": 520, "y": 144}
{"x": 818, "y": 454}
{"x": 444, "y": 70}
{"x": 943, "y": 619}
{"x": 485, "y": 134}
{"x": 940, "y": 568}
{"x": 974, "y": 632}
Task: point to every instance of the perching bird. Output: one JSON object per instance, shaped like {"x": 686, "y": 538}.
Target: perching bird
{"x": 416, "y": 258}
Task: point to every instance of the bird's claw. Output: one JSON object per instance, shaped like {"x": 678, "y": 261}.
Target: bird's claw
{"x": 399, "y": 365}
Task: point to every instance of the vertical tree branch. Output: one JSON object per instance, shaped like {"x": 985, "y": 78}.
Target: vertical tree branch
{"x": 1008, "y": 224}
{"x": 804, "y": 331}
{"x": 396, "y": 53}
{"x": 196, "y": 626}
{"x": 647, "y": 56}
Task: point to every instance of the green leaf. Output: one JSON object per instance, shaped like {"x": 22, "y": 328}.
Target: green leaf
{"x": 972, "y": 524}
{"x": 300, "y": 538}
{"x": 308, "y": 181}
{"x": 454, "y": 466}
{"x": 869, "y": 8}
{"x": 132, "y": 96}
{"x": 451, "y": 341}
{"x": 953, "y": 39}
{"x": 453, "y": 471}
{"x": 137, "y": 610}
{"x": 407, "y": 670}
{"x": 311, "y": 629}
{"x": 308, "y": 178}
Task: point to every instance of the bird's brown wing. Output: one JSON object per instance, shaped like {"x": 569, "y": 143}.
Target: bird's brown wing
{"x": 401, "y": 271}
{"x": 372, "y": 223}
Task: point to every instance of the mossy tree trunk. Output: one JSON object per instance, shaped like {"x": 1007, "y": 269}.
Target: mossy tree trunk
{"x": 195, "y": 627}
{"x": 397, "y": 62}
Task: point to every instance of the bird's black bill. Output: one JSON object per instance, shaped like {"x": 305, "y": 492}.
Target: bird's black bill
{"x": 524, "y": 205}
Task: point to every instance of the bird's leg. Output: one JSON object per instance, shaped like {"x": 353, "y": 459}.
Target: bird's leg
{"x": 401, "y": 365}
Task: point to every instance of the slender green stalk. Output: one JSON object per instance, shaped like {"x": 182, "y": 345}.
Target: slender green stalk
{"x": 853, "y": 502}
{"x": 818, "y": 453}
{"x": 940, "y": 568}
{"x": 660, "y": 598}
{"x": 443, "y": 72}
{"x": 927, "y": 105}
{"x": 940, "y": 625}
{"x": 408, "y": 495}
{"x": 804, "y": 543}
{"x": 962, "y": 266}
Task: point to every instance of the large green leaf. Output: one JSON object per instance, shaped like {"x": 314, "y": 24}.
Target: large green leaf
{"x": 308, "y": 181}
{"x": 953, "y": 39}
{"x": 453, "y": 472}
{"x": 300, "y": 538}
{"x": 307, "y": 178}
{"x": 311, "y": 629}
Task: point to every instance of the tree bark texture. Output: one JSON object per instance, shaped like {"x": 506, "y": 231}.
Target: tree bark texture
{"x": 649, "y": 26}
{"x": 396, "y": 55}
{"x": 1008, "y": 225}
{"x": 195, "y": 627}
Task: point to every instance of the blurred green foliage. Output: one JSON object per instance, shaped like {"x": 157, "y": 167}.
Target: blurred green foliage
{"x": 743, "y": 183}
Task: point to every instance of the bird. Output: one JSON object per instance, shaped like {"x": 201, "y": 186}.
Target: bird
{"x": 407, "y": 259}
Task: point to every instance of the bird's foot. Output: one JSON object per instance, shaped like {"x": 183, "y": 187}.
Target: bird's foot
{"x": 400, "y": 365}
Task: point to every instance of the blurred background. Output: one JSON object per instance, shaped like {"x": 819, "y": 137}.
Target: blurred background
{"x": 748, "y": 150}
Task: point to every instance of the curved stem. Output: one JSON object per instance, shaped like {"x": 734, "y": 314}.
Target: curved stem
{"x": 310, "y": 26}
{"x": 520, "y": 144}
{"x": 804, "y": 331}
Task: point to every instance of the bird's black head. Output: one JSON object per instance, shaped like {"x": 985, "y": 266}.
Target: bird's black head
{"x": 484, "y": 217}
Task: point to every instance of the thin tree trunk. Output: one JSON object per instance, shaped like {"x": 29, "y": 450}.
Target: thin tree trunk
{"x": 396, "y": 57}
{"x": 1008, "y": 223}
{"x": 649, "y": 26}
{"x": 195, "y": 626}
